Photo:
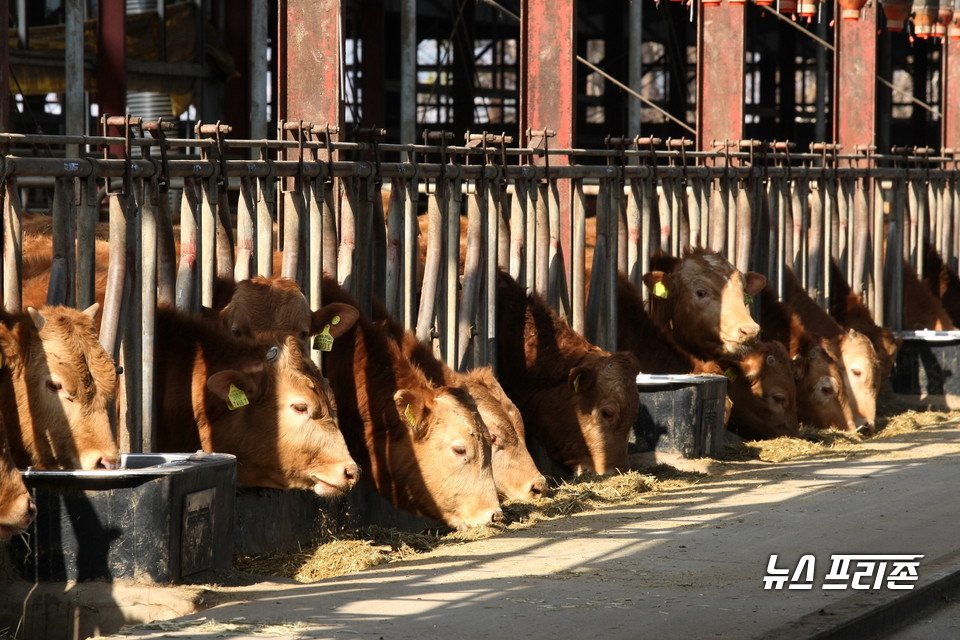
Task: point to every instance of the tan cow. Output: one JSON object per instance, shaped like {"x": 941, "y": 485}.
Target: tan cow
{"x": 763, "y": 392}
{"x": 700, "y": 299}
{"x": 57, "y": 390}
{"x": 579, "y": 401}
{"x": 17, "y": 509}
{"x": 425, "y": 446}
{"x": 268, "y": 406}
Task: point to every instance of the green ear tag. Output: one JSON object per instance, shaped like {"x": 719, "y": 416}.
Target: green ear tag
{"x": 335, "y": 321}
{"x": 576, "y": 383}
{"x": 747, "y": 299}
{"x": 660, "y": 290}
{"x": 408, "y": 414}
{"x": 323, "y": 341}
{"x": 236, "y": 398}
{"x": 730, "y": 374}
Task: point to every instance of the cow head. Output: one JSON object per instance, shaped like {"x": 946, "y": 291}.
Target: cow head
{"x": 703, "y": 297}
{"x": 821, "y": 394}
{"x": 272, "y": 308}
{"x": 861, "y": 377}
{"x": 514, "y": 471}
{"x": 64, "y": 385}
{"x": 450, "y": 456}
{"x": 603, "y": 393}
{"x": 17, "y": 509}
{"x": 291, "y": 405}
{"x": 763, "y": 391}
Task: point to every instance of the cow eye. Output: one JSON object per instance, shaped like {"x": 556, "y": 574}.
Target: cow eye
{"x": 459, "y": 450}
{"x": 54, "y": 386}
{"x": 607, "y": 414}
{"x": 856, "y": 371}
{"x": 771, "y": 360}
{"x": 299, "y": 407}
{"x": 494, "y": 440}
{"x": 779, "y": 398}
{"x": 236, "y": 332}
{"x": 701, "y": 293}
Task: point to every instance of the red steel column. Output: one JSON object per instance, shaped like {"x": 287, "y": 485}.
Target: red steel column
{"x": 855, "y": 81}
{"x": 951, "y": 94}
{"x": 6, "y": 100}
{"x": 112, "y": 57}
{"x": 720, "y": 69}
{"x": 308, "y": 71}
{"x": 548, "y": 49}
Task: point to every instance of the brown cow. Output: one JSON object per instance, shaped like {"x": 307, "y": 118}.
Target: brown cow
{"x": 17, "y": 509}
{"x": 426, "y": 447}
{"x": 268, "y": 406}
{"x": 579, "y": 401}
{"x": 848, "y": 309}
{"x": 856, "y": 355}
{"x": 764, "y": 395}
{"x": 700, "y": 299}
{"x": 942, "y": 281}
{"x": 514, "y": 471}
{"x": 760, "y": 384}
{"x": 921, "y": 308}
{"x": 57, "y": 390}
{"x": 821, "y": 394}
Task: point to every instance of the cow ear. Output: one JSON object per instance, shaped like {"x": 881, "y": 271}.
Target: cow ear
{"x": 341, "y": 318}
{"x": 221, "y": 382}
{"x": 753, "y": 282}
{"x": 581, "y": 378}
{"x": 92, "y": 310}
{"x": 412, "y": 410}
{"x": 38, "y": 320}
{"x": 658, "y": 283}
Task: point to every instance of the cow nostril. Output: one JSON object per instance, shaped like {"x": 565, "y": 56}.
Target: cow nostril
{"x": 352, "y": 472}
{"x": 749, "y": 329}
{"x": 539, "y": 488}
{"x": 32, "y": 509}
{"x": 497, "y": 516}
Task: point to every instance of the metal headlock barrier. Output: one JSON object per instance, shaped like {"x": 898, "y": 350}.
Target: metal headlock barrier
{"x": 351, "y": 210}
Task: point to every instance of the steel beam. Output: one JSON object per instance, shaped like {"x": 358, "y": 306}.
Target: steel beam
{"x": 373, "y": 59}
{"x": 548, "y": 91}
{"x": 951, "y": 94}
{"x": 112, "y": 58}
{"x": 6, "y": 101}
{"x": 855, "y": 80}
{"x": 720, "y": 68}
{"x": 309, "y": 66}
{"x": 237, "y": 108}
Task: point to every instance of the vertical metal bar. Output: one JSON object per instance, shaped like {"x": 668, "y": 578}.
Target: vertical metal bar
{"x": 910, "y": 250}
{"x": 634, "y": 199}
{"x": 951, "y": 94}
{"x": 116, "y": 275}
{"x": 744, "y": 226}
{"x": 246, "y": 231}
{"x": 395, "y": 269}
{"x": 375, "y": 242}
{"x": 87, "y": 214}
{"x": 518, "y": 225}
{"x": 719, "y": 215}
{"x": 647, "y": 211}
{"x": 431, "y": 269}
{"x": 188, "y": 298}
{"x": 208, "y": 241}
{"x": 558, "y": 284}
{"x": 12, "y": 247}
{"x": 665, "y": 208}
{"x": 411, "y": 251}
{"x": 695, "y": 212}
{"x": 408, "y": 71}
{"x": 614, "y": 192}
{"x": 315, "y": 239}
{"x": 862, "y": 232}
{"x": 451, "y": 247}
{"x": 814, "y": 237}
{"x": 74, "y": 97}
{"x": 259, "y": 25}
{"x": 845, "y": 223}
{"x": 530, "y": 236}
{"x": 579, "y": 257}
{"x": 348, "y": 233}
{"x": 166, "y": 250}
{"x": 225, "y": 242}
{"x": 148, "y": 306}
{"x": 829, "y": 223}
{"x": 494, "y": 223}
{"x": 634, "y": 64}
{"x": 60, "y": 291}
{"x": 472, "y": 275}
{"x": 130, "y": 426}
{"x": 112, "y": 60}
{"x": 542, "y": 253}
{"x": 293, "y": 215}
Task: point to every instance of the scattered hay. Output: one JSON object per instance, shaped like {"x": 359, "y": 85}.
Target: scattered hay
{"x": 235, "y": 626}
{"x": 910, "y": 421}
{"x": 339, "y": 552}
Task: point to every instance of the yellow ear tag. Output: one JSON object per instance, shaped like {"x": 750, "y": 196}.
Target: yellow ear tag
{"x": 747, "y": 299}
{"x": 730, "y": 374}
{"x": 408, "y": 414}
{"x": 660, "y": 290}
{"x": 335, "y": 321}
{"x": 576, "y": 384}
{"x": 236, "y": 398}
{"x": 323, "y": 341}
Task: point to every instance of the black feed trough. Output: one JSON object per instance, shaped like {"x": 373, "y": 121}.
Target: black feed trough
{"x": 928, "y": 368}
{"x": 680, "y": 415}
{"x": 160, "y": 518}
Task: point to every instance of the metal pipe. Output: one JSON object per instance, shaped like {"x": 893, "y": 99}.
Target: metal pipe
{"x": 579, "y": 258}
{"x": 469, "y": 302}
{"x": 451, "y": 270}
{"x": 395, "y": 270}
{"x": 87, "y": 215}
{"x": 246, "y": 231}
{"x": 259, "y": 26}
{"x": 408, "y": 70}
{"x": 148, "y": 316}
{"x": 293, "y": 214}
{"x": 74, "y": 97}
{"x": 518, "y": 225}
{"x": 187, "y": 292}
{"x": 431, "y": 270}
{"x": 411, "y": 252}
{"x": 116, "y": 275}
{"x": 12, "y": 247}
{"x": 60, "y": 290}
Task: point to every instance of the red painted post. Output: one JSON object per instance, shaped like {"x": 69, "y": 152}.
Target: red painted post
{"x": 855, "y": 80}
{"x": 720, "y": 68}
{"x": 112, "y": 61}
{"x": 951, "y": 94}
{"x": 6, "y": 102}
{"x": 548, "y": 50}
{"x": 308, "y": 71}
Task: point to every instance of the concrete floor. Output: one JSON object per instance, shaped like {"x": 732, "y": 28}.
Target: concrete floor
{"x": 688, "y": 563}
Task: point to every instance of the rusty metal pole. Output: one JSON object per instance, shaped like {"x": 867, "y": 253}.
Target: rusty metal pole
{"x": 720, "y": 72}
{"x": 548, "y": 93}
{"x": 5, "y": 100}
{"x": 408, "y": 71}
{"x": 951, "y": 94}
{"x": 112, "y": 61}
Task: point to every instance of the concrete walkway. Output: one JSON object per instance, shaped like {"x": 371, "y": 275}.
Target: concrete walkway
{"x": 686, "y": 564}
